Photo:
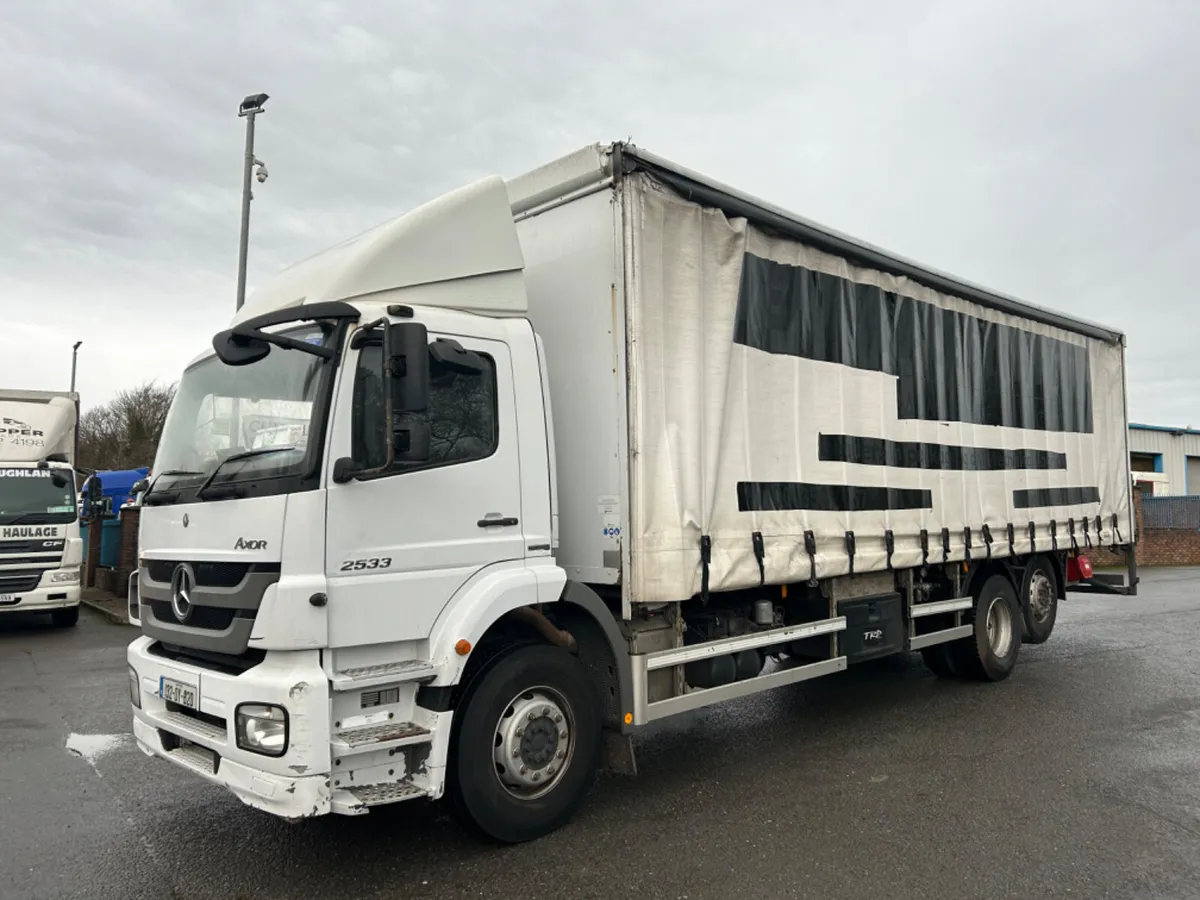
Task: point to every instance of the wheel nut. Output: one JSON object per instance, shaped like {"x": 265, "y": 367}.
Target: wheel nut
{"x": 524, "y": 770}
{"x": 558, "y": 718}
{"x": 516, "y": 752}
{"x": 545, "y": 710}
{"x": 537, "y": 776}
{"x": 519, "y": 732}
{"x": 549, "y": 771}
{"x": 561, "y": 754}
{"x": 532, "y": 715}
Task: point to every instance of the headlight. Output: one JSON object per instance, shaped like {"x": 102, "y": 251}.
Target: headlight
{"x": 64, "y": 576}
{"x": 135, "y": 688}
{"x": 262, "y": 728}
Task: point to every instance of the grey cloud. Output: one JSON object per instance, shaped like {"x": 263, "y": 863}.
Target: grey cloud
{"x": 1045, "y": 150}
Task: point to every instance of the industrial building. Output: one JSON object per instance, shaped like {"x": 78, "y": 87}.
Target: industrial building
{"x": 1165, "y": 458}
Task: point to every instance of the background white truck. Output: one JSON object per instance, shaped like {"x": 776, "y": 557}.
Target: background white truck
{"x": 578, "y": 451}
{"x": 40, "y": 548}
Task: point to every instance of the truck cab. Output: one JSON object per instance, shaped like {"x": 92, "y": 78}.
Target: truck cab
{"x": 41, "y": 551}
{"x": 347, "y": 494}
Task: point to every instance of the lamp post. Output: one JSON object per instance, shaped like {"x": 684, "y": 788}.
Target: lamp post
{"x": 74, "y": 358}
{"x": 251, "y": 107}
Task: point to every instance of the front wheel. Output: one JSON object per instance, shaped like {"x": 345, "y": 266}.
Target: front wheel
{"x": 525, "y": 744}
{"x": 940, "y": 660}
{"x": 990, "y": 654}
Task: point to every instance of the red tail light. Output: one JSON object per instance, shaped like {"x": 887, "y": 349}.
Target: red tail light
{"x": 1079, "y": 568}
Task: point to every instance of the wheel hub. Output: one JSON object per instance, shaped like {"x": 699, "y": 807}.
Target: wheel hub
{"x": 534, "y": 742}
{"x": 1041, "y": 596}
{"x": 999, "y": 627}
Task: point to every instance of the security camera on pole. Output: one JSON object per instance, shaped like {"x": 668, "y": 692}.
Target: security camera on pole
{"x": 251, "y": 107}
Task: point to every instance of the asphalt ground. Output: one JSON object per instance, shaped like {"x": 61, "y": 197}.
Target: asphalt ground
{"x": 1078, "y": 777}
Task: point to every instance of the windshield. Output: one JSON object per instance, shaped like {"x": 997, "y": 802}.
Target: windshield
{"x": 37, "y": 497}
{"x": 221, "y": 410}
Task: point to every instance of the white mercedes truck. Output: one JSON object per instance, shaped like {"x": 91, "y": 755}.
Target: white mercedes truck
{"x": 459, "y": 505}
{"x": 40, "y": 548}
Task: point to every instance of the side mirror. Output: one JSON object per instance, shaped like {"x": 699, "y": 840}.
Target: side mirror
{"x": 412, "y": 439}
{"x": 410, "y": 367}
{"x": 133, "y": 600}
{"x": 344, "y": 470}
{"x": 140, "y": 486}
{"x": 235, "y": 350}
{"x": 451, "y": 353}
{"x": 95, "y": 489}
{"x": 406, "y": 397}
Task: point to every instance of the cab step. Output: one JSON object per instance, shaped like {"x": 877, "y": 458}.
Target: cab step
{"x": 355, "y": 801}
{"x": 379, "y": 737}
{"x": 387, "y": 673}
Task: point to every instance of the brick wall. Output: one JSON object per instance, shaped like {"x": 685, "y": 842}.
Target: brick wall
{"x": 92, "y": 562}
{"x": 1155, "y": 546}
{"x": 1169, "y": 547}
{"x": 127, "y": 555}
{"x": 112, "y": 581}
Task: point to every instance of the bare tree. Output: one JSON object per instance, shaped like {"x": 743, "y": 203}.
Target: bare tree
{"x": 124, "y": 433}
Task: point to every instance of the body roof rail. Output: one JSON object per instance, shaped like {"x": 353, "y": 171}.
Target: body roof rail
{"x": 708, "y": 192}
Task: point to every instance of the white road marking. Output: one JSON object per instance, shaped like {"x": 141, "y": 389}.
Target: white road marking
{"x": 93, "y": 746}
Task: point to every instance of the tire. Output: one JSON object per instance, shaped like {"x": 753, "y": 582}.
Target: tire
{"x": 67, "y": 617}
{"x": 1039, "y": 600}
{"x": 990, "y": 654}
{"x": 940, "y": 660}
{"x": 502, "y": 717}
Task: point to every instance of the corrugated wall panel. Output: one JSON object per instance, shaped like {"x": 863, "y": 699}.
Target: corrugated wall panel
{"x": 1175, "y": 449}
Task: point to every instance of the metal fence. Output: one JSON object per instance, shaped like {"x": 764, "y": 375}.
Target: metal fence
{"x": 1171, "y": 512}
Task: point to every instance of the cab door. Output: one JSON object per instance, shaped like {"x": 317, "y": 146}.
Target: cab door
{"x": 400, "y": 544}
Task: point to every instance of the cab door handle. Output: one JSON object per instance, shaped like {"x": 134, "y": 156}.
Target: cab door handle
{"x": 497, "y": 521}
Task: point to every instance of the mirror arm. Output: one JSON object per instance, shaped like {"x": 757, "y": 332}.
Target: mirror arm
{"x": 389, "y": 435}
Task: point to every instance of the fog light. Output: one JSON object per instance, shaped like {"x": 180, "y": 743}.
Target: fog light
{"x": 65, "y": 576}
{"x": 135, "y": 688}
{"x": 262, "y": 728}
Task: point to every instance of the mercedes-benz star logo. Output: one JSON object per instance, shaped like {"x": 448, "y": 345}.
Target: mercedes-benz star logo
{"x": 183, "y": 579}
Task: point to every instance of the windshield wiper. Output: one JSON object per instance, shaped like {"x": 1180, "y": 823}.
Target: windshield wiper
{"x": 245, "y": 454}
{"x": 32, "y": 519}
{"x": 162, "y": 498}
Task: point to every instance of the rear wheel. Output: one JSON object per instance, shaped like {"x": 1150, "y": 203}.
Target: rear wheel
{"x": 526, "y": 743}
{"x": 65, "y": 618}
{"x": 1039, "y": 600}
{"x": 990, "y": 654}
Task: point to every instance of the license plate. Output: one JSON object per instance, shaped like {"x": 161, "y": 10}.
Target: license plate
{"x": 8, "y": 599}
{"x": 179, "y": 692}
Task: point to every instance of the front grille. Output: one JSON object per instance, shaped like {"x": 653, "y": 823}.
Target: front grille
{"x": 207, "y": 659}
{"x": 210, "y": 618}
{"x": 50, "y": 562}
{"x": 35, "y": 546}
{"x": 19, "y": 581}
{"x": 208, "y": 574}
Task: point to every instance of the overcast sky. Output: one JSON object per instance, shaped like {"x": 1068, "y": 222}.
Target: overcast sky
{"x": 1046, "y": 150}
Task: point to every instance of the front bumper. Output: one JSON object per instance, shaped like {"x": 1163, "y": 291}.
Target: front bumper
{"x": 44, "y": 599}
{"x": 293, "y": 786}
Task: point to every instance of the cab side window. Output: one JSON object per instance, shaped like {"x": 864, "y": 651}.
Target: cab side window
{"x": 462, "y": 413}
